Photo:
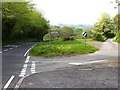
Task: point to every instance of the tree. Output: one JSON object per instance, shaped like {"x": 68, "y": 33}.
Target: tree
{"x": 117, "y": 1}
{"x": 22, "y": 21}
{"x": 104, "y": 28}
{"x": 78, "y": 33}
{"x": 67, "y": 33}
{"x": 117, "y": 22}
{"x": 117, "y": 27}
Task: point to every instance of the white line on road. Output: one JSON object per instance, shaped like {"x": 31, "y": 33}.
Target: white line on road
{"x": 33, "y": 67}
{"x": 9, "y": 81}
{"x": 75, "y": 63}
{"x": 23, "y": 71}
{"x": 90, "y": 62}
{"x": 86, "y": 69}
{"x": 5, "y": 50}
{"x": 10, "y": 48}
{"x": 0, "y": 51}
{"x": 28, "y": 50}
{"x": 27, "y": 59}
{"x": 90, "y": 59}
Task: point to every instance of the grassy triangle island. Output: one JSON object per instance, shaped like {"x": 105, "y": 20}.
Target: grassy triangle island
{"x": 61, "y": 48}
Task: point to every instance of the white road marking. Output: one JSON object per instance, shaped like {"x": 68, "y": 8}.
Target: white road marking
{"x": 0, "y": 51}
{"x": 5, "y": 50}
{"x": 28, "y": 50}
{"x": 10, "y": 48}
{"x": 75, "y": 63}
{"x": 90, "y": 62}
{"x": 86, "y": 69}
{"x": 23, "y": 71}
{"x": 90, "y": 59}
{"x": 33, "y": 67}
{"x": 9, "y": 81}
{"x": 16, "y": 46}
{"x": 27, "y": 59}
{"x": 21, "y": 75}
{"x": 25, "y": 66}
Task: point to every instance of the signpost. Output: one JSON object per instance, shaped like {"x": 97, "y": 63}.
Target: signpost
{"x": 51, "y": 33}
{"x": 84, "y": 35}
{"x": 54, "y": 32}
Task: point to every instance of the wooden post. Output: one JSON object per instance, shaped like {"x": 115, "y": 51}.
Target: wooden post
{"x": 85, "y": 41}
{"x": 49, "y": 35}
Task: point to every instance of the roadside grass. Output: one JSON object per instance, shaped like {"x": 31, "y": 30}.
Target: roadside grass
{"x": 88, "y": 40}
{"x": 118, "y": 41}
{"x": 61, "y": 48}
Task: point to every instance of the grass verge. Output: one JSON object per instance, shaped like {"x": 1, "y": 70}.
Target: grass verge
{"x": 88, "y": 40}
{"x": 61, "y": 48}
{"x": 118, "y": 41}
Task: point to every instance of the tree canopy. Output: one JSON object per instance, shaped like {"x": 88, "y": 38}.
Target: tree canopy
{"x": 21, "y": 21}
{"x": 104, "y": 28}
{"x": 117, "y": 27}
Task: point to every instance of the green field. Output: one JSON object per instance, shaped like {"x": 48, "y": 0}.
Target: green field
{"x": 60, "y": 48}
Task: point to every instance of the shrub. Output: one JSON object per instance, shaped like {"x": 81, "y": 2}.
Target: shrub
{"x": 69, "y": 38}
{"x": 46, "y": 37}
{"x": 99, "y": 37}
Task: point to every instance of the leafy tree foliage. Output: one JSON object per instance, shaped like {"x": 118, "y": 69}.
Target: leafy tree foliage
{"x": 104, "y": 28}
{"x": 117, "y": 27}
{"x": 21, "y": 21}
{"x": 67, "y": 33}
{"x": 78, "y": 33}
{"x": 117, "y": 1}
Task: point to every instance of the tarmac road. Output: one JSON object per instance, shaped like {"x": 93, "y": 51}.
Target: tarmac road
{"x": 66, "y": 72}
{"x": 100, "y": 75}
{"x": 12, "y": 62}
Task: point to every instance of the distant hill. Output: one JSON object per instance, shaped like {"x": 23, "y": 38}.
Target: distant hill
{"x": 83, "y": 26}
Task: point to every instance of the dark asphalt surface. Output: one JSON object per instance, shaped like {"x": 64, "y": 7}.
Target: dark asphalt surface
{"x": 86, "y": 76}
{"x": 12, "y": 61}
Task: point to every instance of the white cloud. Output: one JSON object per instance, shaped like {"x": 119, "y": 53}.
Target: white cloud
{"x": 74, "y": 11}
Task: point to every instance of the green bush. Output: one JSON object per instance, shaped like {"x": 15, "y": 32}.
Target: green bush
{"x": 46, "y": 37}
{"x": 67, "y": 33}
{"x": 99, "y": 37}
{"x": 117, "y": 38}
{"x": 69, "y": 38}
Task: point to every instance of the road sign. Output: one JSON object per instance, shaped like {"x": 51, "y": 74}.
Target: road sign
{"x": 54, "y": 32}
{"x": 84, "y": 34}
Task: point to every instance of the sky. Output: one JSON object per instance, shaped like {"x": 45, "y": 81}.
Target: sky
{"x": 74, "y": 11}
